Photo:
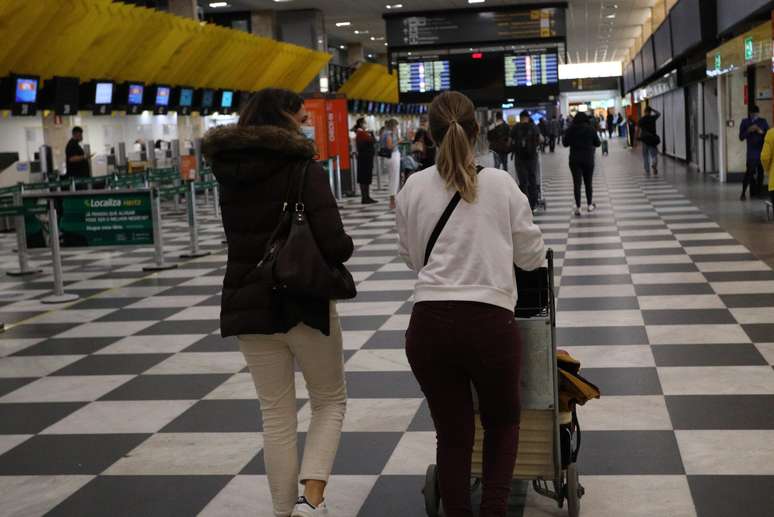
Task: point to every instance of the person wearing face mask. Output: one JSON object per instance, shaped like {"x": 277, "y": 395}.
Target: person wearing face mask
{"x": 364, "y": 143}
{"x": 753, "y": 131}
{"x": 258, "y": 163}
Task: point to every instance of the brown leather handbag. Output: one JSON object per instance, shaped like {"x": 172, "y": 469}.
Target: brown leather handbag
{"x": 294, "y": 261}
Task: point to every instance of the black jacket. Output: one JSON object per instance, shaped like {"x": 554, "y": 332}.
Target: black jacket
{"x": 581, "y": 138}
{"x": 255, "y": 167}
{"x": 525, "y": 139}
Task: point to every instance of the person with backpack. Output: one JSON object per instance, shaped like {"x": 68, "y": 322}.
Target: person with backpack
{"x": 462, "y": 228}
{"x": 582, "y": 140}
{"x": 647, "y": 134}
{"x": 525, "y": 140}
{"x": 554, "y": 133}
{"x": 498, "y": 137}
{"x": 262, "y": 163}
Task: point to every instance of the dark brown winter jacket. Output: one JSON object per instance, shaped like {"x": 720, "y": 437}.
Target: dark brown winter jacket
{"x": 256, "y": 167}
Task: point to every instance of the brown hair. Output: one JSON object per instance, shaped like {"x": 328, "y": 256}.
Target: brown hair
{"x": 272, "y": 107}
{"x": 454, "y": 128}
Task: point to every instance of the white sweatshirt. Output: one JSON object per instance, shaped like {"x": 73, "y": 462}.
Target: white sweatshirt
{"x": 474, "y": 255}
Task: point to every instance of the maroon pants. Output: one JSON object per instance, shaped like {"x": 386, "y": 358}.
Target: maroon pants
{"x": 450, "y": 345}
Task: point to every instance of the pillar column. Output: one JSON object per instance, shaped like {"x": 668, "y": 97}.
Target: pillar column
{"x": 355, "y": 54}
{"x": 305, "y": 28}
{"x": 184, "y": 8}
{"x": 722, "y": 133}
{"x": 263, "y": 23}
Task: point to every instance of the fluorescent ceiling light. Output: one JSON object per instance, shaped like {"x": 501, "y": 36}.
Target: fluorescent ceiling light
{"x": 476, "y": 1}
{"x": 611, "y": 15}
{"x": 377, "y": 38}
{"x": 282, "y": 1}
{"x": 215, "y": 5}
{"x": 343, "y": 24}
{"x": 343, "y": 47}
{"x": 362, "y": 32}
{"x": 394, "y": 6}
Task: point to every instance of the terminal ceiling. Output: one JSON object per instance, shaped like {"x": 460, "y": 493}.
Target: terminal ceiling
{"x": 594, "y": 34}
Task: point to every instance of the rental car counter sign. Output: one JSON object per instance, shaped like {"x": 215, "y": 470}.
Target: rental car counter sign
{"x": 94, "y": 219}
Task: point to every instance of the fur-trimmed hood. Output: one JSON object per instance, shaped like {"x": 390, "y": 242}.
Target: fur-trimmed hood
{"x": 246, "y": 154}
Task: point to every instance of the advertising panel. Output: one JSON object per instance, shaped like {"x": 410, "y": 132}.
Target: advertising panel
{"x": 94, "y": 219}
{"x": 318, "y": 118}
{"x": 338, "y": 131}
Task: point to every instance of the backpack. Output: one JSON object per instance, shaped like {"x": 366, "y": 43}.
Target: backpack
{"x": 525, "y": 141}
{"x": 498, "y": 138}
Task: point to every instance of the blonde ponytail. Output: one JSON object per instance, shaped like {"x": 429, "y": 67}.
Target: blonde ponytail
{"x": 453, "y": 124}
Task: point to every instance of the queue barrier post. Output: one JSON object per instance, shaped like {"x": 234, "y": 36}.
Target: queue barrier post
{"x": 158, "y": 235}
{"x": 193, "y": 224}
{"x": 59, "y": 295}
{"x": 21, "y": 239}
{"x": 379, "y": 165}
{"x": 216, "y": 199}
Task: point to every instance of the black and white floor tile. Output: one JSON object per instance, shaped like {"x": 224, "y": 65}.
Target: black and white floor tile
{"x": 128, "y": 402}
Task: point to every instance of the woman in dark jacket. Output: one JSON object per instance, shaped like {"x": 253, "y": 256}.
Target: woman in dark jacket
{"x": 258, "y": 163}
{"x": 366, "y": 148}
{"x": 582, "y": 139}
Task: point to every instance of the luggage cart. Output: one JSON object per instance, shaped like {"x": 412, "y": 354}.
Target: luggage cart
{"x": 548, "y": 441}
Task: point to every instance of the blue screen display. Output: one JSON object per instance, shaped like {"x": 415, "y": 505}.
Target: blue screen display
{"x": 227, "y": 100}
{"x": 186, "y": 97}
{"x": 162, "y": 96}
{"x": 26, "y": 90}
{"x": 207, "y": 98}
{"x": 135, "y": 94}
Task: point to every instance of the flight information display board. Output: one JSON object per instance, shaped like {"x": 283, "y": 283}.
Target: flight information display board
{"x": 531, "y": 69}
{"x": 424, "y": 76}
{"x": 453, "y": 27}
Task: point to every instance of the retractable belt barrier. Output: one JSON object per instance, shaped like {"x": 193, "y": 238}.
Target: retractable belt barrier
{"x": 193, "y": 223}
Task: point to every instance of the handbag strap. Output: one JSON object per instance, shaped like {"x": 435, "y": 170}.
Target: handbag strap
{"x": 455, "y": 200}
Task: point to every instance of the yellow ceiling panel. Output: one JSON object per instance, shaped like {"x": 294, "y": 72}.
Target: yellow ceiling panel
{"x": 372, "y": 82}
{"x": 21, "y": 31}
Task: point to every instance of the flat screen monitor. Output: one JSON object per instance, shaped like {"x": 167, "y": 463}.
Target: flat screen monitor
{"x": 103, "y": 94}
{"x": 208, "y": 98}
{"x": 227, "y": 99}
{"x": 186, "y": 97}
{"x": 648, "y": 59}
{"x": 662, "y": 43}
{"x": 686, "y": 17}
{"x": 424, "y": 76}
{"x": 531, "y": 69}
{"x": 162, "y": 96}
{"x": 638, "y": 78}
{"x": 26, "y": 90}
{"x": 61, "y": 94}
{"x": 135, "y": 94}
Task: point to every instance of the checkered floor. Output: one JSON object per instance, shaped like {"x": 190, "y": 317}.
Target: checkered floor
{"x": 128, "y": 402}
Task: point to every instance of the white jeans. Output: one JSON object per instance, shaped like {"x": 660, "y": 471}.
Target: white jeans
{"x": 271, "y": 362}
{"x": 393, "y": 168}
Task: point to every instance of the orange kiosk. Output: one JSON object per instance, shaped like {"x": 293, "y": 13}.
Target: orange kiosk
{"x": 329, "y": 128}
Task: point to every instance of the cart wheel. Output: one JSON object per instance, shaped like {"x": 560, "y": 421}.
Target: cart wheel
{"x": 432, "y": 493}
{"x": 574, "y": 491}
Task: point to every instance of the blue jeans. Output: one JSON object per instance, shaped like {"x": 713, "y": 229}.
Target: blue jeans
{"x": 500, "y": 160}
{"x": 649, "y": 156}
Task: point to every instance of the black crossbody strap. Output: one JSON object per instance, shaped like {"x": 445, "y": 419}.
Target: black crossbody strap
{"x": 439, "y": 226}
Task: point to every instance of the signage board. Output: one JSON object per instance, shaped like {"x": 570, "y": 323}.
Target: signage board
{"x": 754, "y": 46}
{"x": 93, "y": 219}
{"x": 462, "y": 26}
{"x": 318, "y": 118}
{"x": 338, "y": 131}
{"x": 188, "y": 167}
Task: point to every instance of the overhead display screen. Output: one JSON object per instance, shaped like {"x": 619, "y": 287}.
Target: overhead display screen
{"x": 135, "y": 94}
{"x": 227, "y": 100}
{"x": 186, "y": 97}
{"x": 26, "y": 90}
{"x": 531, "y": 69}
{"x": 162, "y": 96}
{"x": 686, "y": 17}
{"x": 662, "y": 43}
{"x": 732, "y": 12}
{"x": 103, "y": 93}
{"x": 208, "y": 98}
{"x": 424, "y": 76}
{"x": 474, "y": 25}
{"x": 648, "y": 59}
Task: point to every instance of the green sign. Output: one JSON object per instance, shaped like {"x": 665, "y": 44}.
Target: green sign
{"x": 94, "y": 219}
{"x": 748, "y": 48}
{"x": 717, "y": 61}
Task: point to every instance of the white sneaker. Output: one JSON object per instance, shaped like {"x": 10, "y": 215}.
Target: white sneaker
{"x": 577, "y": 210}
{"x": 304, "y": 508}
{"x": 591, "y": 207}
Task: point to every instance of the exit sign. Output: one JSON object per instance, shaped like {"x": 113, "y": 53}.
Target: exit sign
{"x": 717, "y": 61}
{"x": 748, "y": 48}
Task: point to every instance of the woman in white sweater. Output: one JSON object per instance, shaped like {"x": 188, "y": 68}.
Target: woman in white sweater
{"x": 462, "y": 327}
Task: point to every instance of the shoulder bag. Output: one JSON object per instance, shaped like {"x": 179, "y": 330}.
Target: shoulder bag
{"x": 294, "y": 262}
{"x": 455, "y": 200}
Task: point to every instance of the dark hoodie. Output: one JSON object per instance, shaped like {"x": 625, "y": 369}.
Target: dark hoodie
{"x": 582, "y": 139}
{"x": 256, "y": 166}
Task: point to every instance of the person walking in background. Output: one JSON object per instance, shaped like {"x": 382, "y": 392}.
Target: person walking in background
{"x": 498, "y": 138}
{"x": 77, "y": 163}
{"x": 610, "y": 122}
{"x": 543, "y": 128}
{"x": 259, "y": 164}
{"x": 582, "y": 141}
{"x": 554, "y": 133}
{"x": 462, "y": 327}
{"x": 525, "y": 139}
{"x": 753, "y": 130}
{"x": 365, "y": 145}
{"x": 389, "y": 141}
{"x": 767, "y": 160}
{"x": 423, "y": 145}
{"x": 647, "y": 134}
